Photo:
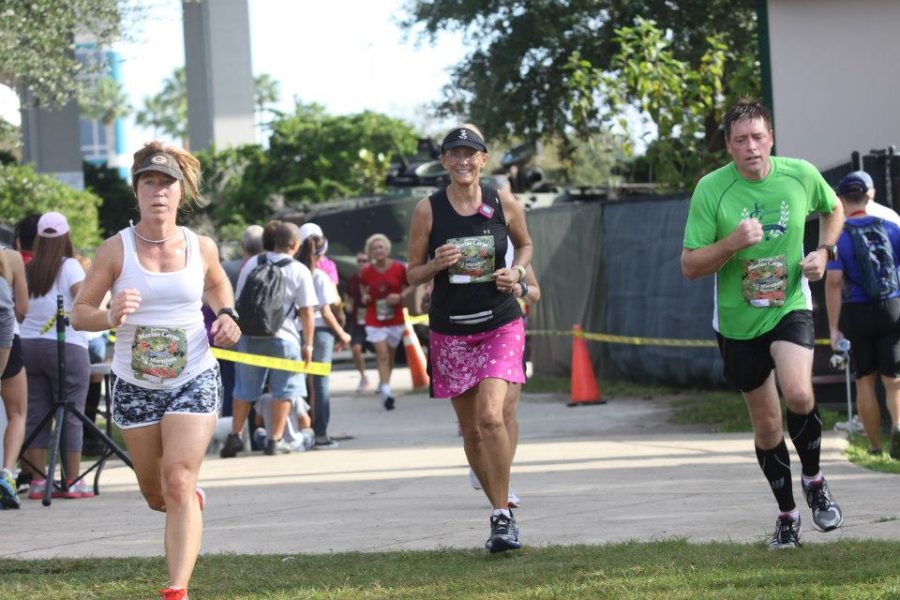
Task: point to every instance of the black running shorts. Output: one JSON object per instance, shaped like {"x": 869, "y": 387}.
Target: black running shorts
{"x": 873, "y": 329}
{"x": 748, "y": 363}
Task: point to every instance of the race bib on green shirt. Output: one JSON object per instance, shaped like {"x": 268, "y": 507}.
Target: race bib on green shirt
{"x": 765, "y": 281}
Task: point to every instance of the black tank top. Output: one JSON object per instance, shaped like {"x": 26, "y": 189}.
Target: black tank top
{"x": 465, "y": 299}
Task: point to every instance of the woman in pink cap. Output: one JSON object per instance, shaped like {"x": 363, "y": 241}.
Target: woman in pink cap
{"x": 166, "y": 384}
{"x": 52, "y": 271}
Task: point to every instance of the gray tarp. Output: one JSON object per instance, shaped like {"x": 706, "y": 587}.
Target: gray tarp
{"x": 615, "y": 268}
{"x": 568, "y": 264}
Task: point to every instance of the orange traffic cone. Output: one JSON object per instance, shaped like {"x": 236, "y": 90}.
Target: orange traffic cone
{"x": 584, "y": 384}
{"x": 415, "y": 357}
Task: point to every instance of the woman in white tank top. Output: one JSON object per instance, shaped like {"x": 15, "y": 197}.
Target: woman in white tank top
{"x": 166, "y": 384}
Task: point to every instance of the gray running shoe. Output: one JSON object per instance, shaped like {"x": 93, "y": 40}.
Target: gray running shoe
{"x": 325, "y": 443}
{"x": 787, "y": 533}
{"x": 274, "y": 447}
{"x": 233, "y": 444}
{"x": 827, "y": 514}
{"x": 504, "y": 534}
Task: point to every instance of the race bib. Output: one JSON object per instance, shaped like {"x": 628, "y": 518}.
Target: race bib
{"x": 158, "y": 353}
{"x": 383, "y": 310}
{"x": 765, "y": 281}
{"x": 477, "y": 262}
{"x": 361, "y": 315}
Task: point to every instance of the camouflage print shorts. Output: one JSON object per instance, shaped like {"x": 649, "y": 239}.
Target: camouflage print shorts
{"x": 135, "y": 406}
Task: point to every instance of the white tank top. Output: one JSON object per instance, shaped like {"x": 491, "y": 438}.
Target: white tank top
{"x": 163, "y": 344}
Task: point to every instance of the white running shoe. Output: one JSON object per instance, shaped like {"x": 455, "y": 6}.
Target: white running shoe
{"x": 512, "y": 500}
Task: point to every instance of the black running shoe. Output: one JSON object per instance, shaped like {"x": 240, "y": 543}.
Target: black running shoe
{"x": 389, "y": 403}
{"x": 827, "y": 514}
{"x": 233, "y": 444}
{"x": 787, "y": 533}
{"x": 895, "y": 442}
{"x": 504, "y": 534}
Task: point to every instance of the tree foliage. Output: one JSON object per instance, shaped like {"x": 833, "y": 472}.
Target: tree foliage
{"x": 167, "y": 112}
{"x": 117, "y": 205}
{"x": 105, "y": 101}
{"x": 315, "y": 156}
{"x": 37, "y": 44}
{"x": 23, "y": 191}
{"x": 521, "y": 77}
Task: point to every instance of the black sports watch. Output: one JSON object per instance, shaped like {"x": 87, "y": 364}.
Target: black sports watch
{"x": 230, "y": 312}
{"x": 831, "y": 249}
{"x": 523, "y": 287}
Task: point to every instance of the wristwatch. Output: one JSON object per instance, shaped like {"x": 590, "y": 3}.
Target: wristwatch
{"x": 230, "y": 312}
{"x": 524, "y": 288}
{"x": 831, "y": 249}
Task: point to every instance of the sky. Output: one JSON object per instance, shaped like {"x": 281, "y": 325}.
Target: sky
{"x": 348, "y": 55}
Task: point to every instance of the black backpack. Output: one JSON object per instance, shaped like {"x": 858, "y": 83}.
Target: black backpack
{"x": 875, "y": 258}
{"x": 261, "y": 303}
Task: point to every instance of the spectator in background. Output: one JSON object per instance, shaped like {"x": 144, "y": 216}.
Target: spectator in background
{"x": 384, "y": 286}
{"x": 862, "y": 298}
{"x": 356, "y": 315}
{"x": 327, "y": 329}
{"x": 251, "y": 245}
{"x": 26, "y": 231}
{"x": 54, "y": 270}
{"x": 167, "y": 390}
{"x": 13, "y": 306}
{"x": 325, "y": 264}
{"x": 293, "y": 340}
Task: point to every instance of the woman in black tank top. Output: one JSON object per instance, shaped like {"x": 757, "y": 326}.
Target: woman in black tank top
{"x": 458, "y": 239}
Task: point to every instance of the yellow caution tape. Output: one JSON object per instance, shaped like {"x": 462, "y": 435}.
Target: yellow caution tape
{"x": 638, "y": 341}
{"x": 417, "y": 319}
{"x": 51, "y": 322}
{"x": 270, "y": 362}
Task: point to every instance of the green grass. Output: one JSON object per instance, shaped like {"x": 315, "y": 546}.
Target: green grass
{"x": 858, "y": 453}
{"x": 671, "y": 569}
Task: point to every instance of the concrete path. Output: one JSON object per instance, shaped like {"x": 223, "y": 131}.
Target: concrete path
{"x": 590, "y": 474}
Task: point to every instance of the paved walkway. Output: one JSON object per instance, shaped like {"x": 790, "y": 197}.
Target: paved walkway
{"x": 589, "y": 474}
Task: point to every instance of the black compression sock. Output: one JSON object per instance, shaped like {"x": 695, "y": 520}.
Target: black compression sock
{"x": 806, "y": 433}
{"x": 776, "y": 466}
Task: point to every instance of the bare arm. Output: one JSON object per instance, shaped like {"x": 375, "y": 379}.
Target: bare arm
{"x": 308, "y": 323}
{"x": 830, "y": 226}
{"x": 20, "y": 287}
{"x": 834, "y": 284}
{"x": 518, "y": 229}
{"x": 700, "y": 262}
{"x": 218, "y": 294}
{"x": 335, "y": 325}
{"x": 534, "y": 290}
{"x": 420, "y": 269}
{"x": 105, "y": 268}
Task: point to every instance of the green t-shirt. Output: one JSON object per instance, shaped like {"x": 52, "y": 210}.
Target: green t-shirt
{"x": 762, "y": 283}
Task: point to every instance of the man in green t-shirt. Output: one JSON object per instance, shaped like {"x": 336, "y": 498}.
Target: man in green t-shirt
{"x": 745, "y": 226}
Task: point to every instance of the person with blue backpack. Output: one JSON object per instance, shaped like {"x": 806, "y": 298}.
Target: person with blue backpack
{"x": 862, "y": 298}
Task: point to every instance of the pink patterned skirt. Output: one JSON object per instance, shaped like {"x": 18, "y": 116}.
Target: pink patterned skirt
{"x": 459, "y": 362}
